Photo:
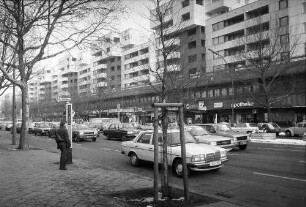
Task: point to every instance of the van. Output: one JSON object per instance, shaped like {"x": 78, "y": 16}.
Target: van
{"x": 102, "y": 123}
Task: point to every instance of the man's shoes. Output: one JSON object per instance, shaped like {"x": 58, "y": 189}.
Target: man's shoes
{"x": 63, "y": 168}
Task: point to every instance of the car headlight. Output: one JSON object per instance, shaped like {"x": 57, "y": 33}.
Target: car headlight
{"x": 197, "y": 158}
{"x": 81, "y": 133}
{"x": 232, "y": 141}
{"x": 213, "y": 143}
{"x": 129, "y": 132}
{"x": 223, "y": 153}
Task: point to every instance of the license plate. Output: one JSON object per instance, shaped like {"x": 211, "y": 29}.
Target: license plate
{"x": 214, "y": 163}
{"x": 243, "y": 142}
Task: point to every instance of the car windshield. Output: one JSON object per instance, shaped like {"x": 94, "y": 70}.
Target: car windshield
{"x": 174, "y": 138}
{"x": 198, "y": 131}
{"x": 45, "y": 125}
{"x": 81, "y": 126}
{"x": 224, "y": 127}
{"x": 210, "y": 128}
{"x": 275, "y": 125}
{"x": 126, "y": 125}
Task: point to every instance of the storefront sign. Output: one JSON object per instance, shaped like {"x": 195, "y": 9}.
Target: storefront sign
{"x": 201, "y": 106}
{"x": 242, "y": 104}
{"x": 218, "y": 105}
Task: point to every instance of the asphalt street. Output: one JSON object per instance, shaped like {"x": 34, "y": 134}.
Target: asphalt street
{"x": 264, "y": 174}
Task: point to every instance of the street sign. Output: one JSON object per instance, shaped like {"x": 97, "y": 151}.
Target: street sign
{"x": 201, "y": 106}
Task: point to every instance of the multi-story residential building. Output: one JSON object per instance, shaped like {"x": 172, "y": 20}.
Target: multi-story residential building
{"x": 226, "y": 36}
{"x": 203, "y": 37}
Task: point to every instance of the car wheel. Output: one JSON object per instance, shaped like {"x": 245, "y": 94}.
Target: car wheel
{"x": 242, "y": 147}
{"x": 134, "y": 160}
{"x": 178, "y": 168}
{"x": 94, "y": 139}
{"x": 288, "y": 133}
{"x": 76, "y": 138}
{"x": 49, "y": 134}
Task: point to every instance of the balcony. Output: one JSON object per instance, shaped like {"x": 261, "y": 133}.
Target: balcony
{"x": 101, "y": 75}
{"x": 64, "y": 86}
{"x": 218, "y": 6}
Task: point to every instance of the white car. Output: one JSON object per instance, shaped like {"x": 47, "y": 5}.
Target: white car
{"x": 245, "y": 128}
{"x": 203, "y": 136}
{"x": 298, "y": 130}
{"x": 199, "y": 157}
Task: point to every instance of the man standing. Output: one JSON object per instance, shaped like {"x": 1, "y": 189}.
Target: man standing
{"x": 63, "y": 143}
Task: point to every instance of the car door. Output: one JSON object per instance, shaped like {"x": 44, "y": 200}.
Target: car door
{"x": 144, "y": 148}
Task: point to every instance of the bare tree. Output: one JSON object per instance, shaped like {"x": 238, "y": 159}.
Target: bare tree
{"x": 172, "y": 73}
{"x": 263, "y": 55}
{"x": 38, "y": 30}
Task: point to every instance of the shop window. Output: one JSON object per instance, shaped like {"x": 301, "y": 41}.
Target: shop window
{"x": 210, "y": 93}
{"x": 217, "y": 92}
{"x": 204, "y": 94}
{"x": 224, "y": 92}
{"x": 239, "y": 90}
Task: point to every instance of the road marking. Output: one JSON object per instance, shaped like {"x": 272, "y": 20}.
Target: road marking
{"x": 302, "y": 161}
{"x": 277, "y": 176}
{"x": 282, "y": 149}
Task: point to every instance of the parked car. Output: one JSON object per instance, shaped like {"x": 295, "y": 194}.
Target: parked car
{"x": 31, "y": 127}
{"x": 297, "y": 130}
{"x": 102, "y": 123}
{"x": 41, "y": 128}
{"x": 240, "y": 139}
{"x": 82, "y": 132}
{"x": 53, "y": 128}
{"x": 269, "y": 128}
{"x": 245, "y": 128}
{"x": 199, "y": 157}
{"x": 203, "y": 136}
{"x": 8, "y": 126}
{"x": 123, "y": 131}
{"x": 18, "y": 128}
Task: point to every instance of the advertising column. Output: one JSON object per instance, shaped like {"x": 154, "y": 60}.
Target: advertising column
{"x": 69, "y": 128}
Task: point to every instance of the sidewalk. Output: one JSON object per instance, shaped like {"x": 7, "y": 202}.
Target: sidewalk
{"x": 32, "y": 178}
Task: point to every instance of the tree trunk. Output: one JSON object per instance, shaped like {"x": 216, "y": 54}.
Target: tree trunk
{"x": 269, "y": 113}
{"x": 24, "y": 141}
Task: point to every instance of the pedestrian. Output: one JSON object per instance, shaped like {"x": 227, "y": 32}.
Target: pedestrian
{"x": 63, "y": 143}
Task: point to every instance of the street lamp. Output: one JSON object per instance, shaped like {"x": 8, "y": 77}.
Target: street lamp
{"x": 232, "y": 82}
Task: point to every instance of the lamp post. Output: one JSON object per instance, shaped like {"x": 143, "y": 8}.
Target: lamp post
{"x": 232, "y": 83}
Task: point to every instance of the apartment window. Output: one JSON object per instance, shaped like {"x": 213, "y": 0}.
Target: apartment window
{"x": 185, "y": 3}
{"x": 218, "y": 26}
{"x": 304, "y": 27}
{"x": 192, "y": 58}
{"x": 283, "y": 4}
{"x": 203, "y": 43}
{"x": 284, "y": 39}
{"x": 112, "y": 77}
{"x": 118, "y": 67}
{"x": 203, "y": 56}
{"x": 108, "y": 49}
{"x": 199, "y": 2}
{"x": 304, "y": 7}
{"x": 218, "y": 40}
{"x": 192, "y": 44}
{"x": 112, "y": 69}
{"x": 217, "y": 92}
{"x": 202, "y": 29}
{"x": 192, "y": 32}
{"x": 284, "y": 21}
{"x": 204, "y": 94}
{"x": 186, "y": 16}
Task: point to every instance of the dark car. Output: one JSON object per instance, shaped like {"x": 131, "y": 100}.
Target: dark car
{"x": 53, "y": 128}
{"x": 41, "y": 128}
{"x": 123, "y": 131}
{"x": 18, "y": 128}
{"x": 270, "y": 128}
{"x": 82, "y": 132}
